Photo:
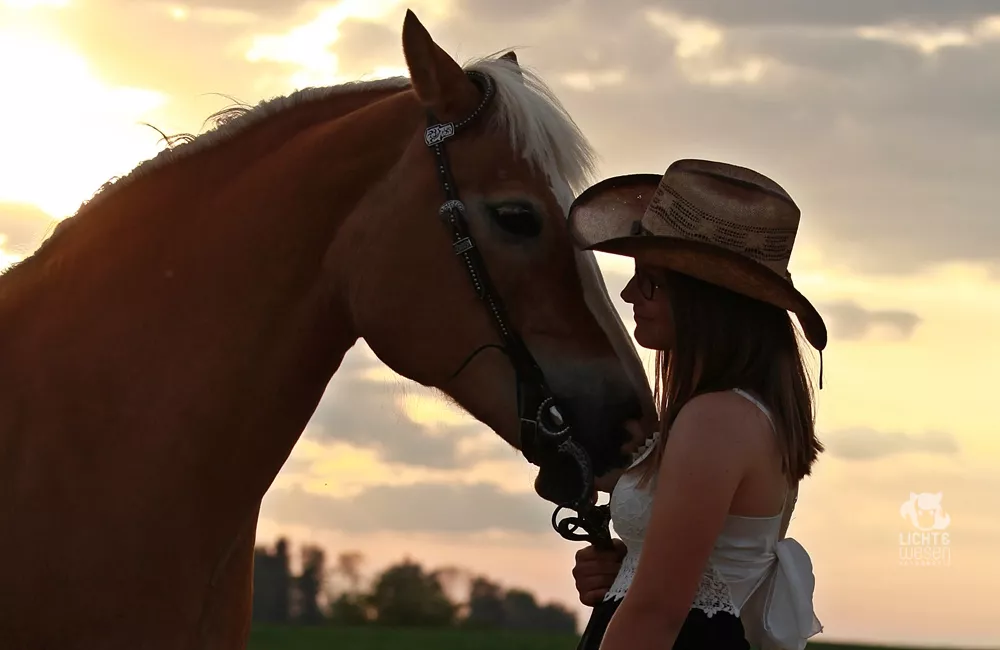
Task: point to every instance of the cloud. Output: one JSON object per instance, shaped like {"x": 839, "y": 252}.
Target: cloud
{"x": 424, "y": 507}
{"x": 186, "y": 51}
{"x": 852, "y": 322}
{"x": 863, "y": 444}
{"x": 846, "y": 319}
{"x": 366, "y": 46}
{"x": 840, "y": 13}
{"x": 879, "y": 117}
{"x": 369, "y": 412}
{"x": 865, "y": 500}
{"x": 269, "y": 9}
{"x": 889, "y": 152}
{"x": 790, "y": 13}
{"x": 929, "y": 41}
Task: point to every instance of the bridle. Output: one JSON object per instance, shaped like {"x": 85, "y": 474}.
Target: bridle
{"x": 545, "y": 434}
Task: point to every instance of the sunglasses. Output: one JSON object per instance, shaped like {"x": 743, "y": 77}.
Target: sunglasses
{"x": 646, "y": 284}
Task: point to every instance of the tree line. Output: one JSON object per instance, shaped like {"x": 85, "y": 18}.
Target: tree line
{"x": 404, "y": 594}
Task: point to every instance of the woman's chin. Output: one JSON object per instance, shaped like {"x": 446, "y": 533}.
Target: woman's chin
{"x": 649, "y": 337}
{"x": 643, "y": 338}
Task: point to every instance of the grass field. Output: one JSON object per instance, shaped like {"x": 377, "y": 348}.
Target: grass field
{"x": 331, "y": 638}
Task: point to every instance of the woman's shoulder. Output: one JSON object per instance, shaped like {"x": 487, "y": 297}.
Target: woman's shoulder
{"x": 723, "y": 417}
{"x": 723, "y": 405}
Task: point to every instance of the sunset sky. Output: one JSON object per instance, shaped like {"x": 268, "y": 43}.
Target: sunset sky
{"x": 881, "y": 118}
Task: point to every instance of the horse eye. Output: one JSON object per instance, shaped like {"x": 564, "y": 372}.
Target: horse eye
{"x": 517, "y": 219}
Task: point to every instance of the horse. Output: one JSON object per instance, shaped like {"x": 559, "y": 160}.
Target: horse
{"x": 165, "y": 347}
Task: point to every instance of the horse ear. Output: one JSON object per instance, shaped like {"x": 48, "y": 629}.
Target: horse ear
{"x": 439, "y": 82}
{"x": 510, "y": 56}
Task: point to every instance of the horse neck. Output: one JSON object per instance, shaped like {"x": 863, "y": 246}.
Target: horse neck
{"x": 190, "y": 305}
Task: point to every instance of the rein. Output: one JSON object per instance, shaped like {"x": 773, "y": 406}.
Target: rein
{"x": 545, "y": 435}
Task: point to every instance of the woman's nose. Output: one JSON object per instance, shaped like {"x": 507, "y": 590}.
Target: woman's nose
{"x": 628, "y": 292}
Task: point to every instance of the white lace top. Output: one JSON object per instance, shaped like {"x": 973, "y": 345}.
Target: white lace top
{"x": 753, "y": 572}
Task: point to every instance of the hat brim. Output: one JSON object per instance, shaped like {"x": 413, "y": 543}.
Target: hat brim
{"x": 601, "y": 219}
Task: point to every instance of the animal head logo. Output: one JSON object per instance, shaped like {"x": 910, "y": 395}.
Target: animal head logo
{"x": 925, "y": 512}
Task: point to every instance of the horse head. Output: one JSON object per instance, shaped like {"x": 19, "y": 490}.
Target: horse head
{"x": 462, "y": 254}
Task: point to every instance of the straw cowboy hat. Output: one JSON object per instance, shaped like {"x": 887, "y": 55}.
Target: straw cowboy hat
{"x": 717, "y": 222}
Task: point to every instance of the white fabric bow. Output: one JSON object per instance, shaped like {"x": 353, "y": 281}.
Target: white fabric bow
{"x": 789, "y": 620}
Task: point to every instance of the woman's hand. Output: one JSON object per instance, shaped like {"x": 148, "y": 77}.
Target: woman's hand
{"x": 595, "y": 571}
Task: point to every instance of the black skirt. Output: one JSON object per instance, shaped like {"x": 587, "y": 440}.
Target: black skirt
{"x": 721, "y": 631}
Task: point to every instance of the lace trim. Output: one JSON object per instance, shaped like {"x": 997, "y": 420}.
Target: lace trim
{"x": 624, "y": 578}
{"x": 647, "y": 446}
{"x": 713, "y": 594}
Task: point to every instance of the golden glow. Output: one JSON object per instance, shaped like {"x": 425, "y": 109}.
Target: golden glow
{"x": 747, "y": 72}
{"x": 73, "y": 132}
{"x": 434, "y": 411}
{"x": 385, "y": 72}
{"x": 931, "y": 41}
{"x": 940, "y": 379}
{"x": 34, "y": 4}
{"x": 6, "y": 259}
{"x": 693, "y": 37}
{"x": 701, "y": 53}
{"x": 69, "y": 129}
{"x": 341, "y": 469}
{"x": 583, "y": 80}
{"x": 212, "y": 15}
{"x": 308, "y": 46}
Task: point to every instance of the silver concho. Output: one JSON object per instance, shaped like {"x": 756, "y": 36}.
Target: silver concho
{"x": 438, "y": 133}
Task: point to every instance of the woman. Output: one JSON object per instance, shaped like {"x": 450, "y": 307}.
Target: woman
{"x": 704, "y": 508}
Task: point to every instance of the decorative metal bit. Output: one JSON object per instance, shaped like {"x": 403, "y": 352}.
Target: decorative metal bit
{"x": 438, "y": 133}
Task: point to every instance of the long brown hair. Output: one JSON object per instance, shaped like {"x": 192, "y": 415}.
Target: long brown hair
{"x": 724, "y": 340}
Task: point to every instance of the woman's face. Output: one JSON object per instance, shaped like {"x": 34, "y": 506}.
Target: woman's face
{"x": 650, "y": 308}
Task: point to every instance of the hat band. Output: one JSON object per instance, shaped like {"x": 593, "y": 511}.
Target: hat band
{"x": 676, "y": 216}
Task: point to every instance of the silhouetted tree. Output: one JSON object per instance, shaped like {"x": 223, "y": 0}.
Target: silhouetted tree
{"x": 456, "y": 584}
{"x": 557, "y": 618}
{"x": 523, "y": 612}
{"x": 283, "y": 583}
{"x": 404, "y": 595}
{"x": 485, "y": 604}
{"x": 348, "y": 606}
{"x": 520, "y": 609}
{"x": 309, "y": 585}
{"x": 490, "y": 606}
{"x": 352, "y": 609}
{"x": 271, "y": 584}
{"x": 349, "y": 567}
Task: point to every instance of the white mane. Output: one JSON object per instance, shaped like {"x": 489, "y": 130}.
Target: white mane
{"x": 540, "y": 128}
